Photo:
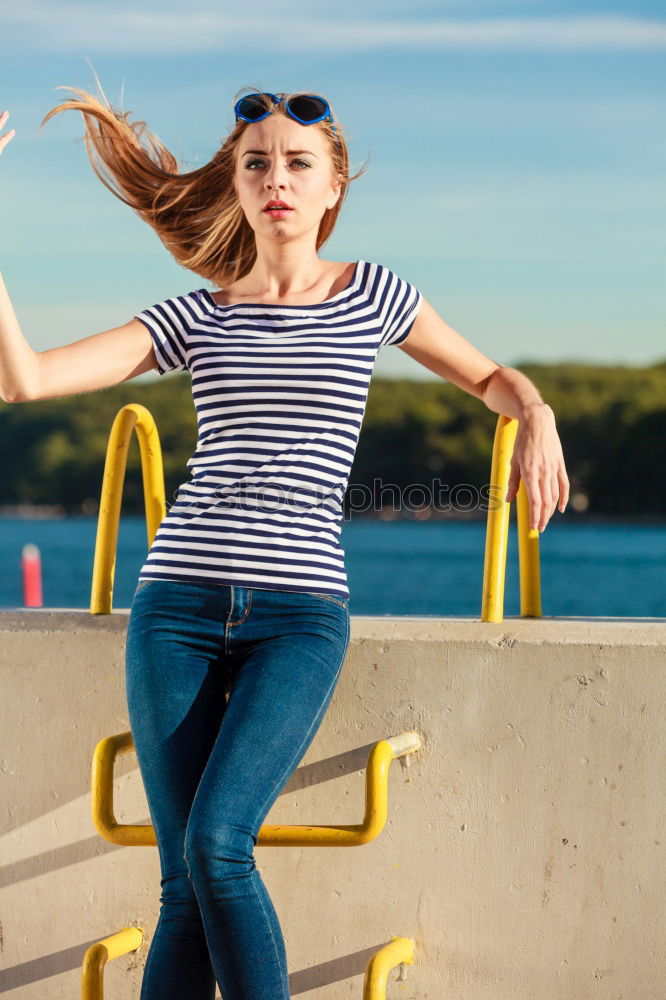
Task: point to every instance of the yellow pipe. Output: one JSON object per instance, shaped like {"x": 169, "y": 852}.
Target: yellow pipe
{"x": 497, "y": 535}
{"x": 96, "y": 957}
{"x": 528, "y": 558}
{"x": 400, "y": 950}
{"x": 344, "y": 835}
{"x": 132, "y": 417}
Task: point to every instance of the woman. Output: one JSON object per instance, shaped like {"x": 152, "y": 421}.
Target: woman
{"x": 239, "y": 624}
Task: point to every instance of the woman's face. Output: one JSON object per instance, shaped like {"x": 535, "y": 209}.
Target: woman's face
{"x": 278, "y": 159}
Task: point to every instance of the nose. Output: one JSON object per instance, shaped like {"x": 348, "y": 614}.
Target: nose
{"x": 274, "y": 178}
{"x": 273, "y": 185}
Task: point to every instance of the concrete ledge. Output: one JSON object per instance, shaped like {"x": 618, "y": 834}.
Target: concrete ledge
{"x": 524, "y": 850}
{"x": 545, "y": 629}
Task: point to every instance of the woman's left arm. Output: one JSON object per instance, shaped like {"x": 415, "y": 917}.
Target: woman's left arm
{"x": 537, "y": 452}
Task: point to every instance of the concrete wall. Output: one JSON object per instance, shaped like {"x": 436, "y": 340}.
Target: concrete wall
{"x": 524, "y": 850}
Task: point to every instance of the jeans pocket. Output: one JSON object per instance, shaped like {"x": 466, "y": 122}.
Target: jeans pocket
{"x": 141, "y": 584}
{"x": 340, "y": 601}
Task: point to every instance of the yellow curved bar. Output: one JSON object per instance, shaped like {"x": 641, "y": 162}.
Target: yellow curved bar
{"x": 96, "y": 957}
{"x": 132, "y": 417}
{"x": 344, "y": 835}
{"x": 497, "y": 535}
{"x": 401, "y": 949}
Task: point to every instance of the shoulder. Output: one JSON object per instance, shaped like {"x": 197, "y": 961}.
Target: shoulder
{"x": 179, "y": 311}
{"x": 385, "y": 283}
{"x": 385, "y": 274}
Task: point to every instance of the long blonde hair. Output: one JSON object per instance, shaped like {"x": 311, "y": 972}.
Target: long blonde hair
{"x": 196, "y": 214}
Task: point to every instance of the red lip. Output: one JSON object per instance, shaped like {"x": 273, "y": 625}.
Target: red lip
{"x": 276, "y": 204}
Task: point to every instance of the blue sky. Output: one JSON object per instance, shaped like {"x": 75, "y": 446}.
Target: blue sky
{"x": 517, "y": 158}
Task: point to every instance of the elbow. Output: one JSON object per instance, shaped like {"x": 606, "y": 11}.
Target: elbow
{"x": 17, "y": 396}
{"x": 26, "y": 381}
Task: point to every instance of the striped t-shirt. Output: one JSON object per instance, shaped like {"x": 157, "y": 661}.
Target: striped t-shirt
{"x": 280, "y": 394}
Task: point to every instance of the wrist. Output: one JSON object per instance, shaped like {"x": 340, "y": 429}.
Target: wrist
{"x": 534, "y": 409}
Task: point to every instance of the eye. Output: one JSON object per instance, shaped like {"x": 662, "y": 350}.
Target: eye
{"x": 250, "y": 163}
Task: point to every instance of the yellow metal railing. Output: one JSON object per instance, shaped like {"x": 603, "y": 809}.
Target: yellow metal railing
{"x": 98, "y": 954}
{"x": 497, "y": 536}
{"x": 132, "y": 417}
{"x": 135, "y": 417}
{"x": 401, "y": 949}
{"x": 344, "y": 835}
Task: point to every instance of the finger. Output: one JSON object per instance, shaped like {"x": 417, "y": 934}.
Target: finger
{"x": 545, "y": 506}
{"x": 534, "y": 497}
{"x": 564, "y": 488}
{"x": 554, "y": 493}
{"x": 514, "y": 480}
{"x": 4, "y": 117}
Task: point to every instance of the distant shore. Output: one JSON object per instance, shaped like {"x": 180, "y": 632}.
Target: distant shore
{"x": 34, "y": 512}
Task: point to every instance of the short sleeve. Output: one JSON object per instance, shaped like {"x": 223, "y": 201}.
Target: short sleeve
{"x": 399, "y": 304}
{"x": 169, "y": 323}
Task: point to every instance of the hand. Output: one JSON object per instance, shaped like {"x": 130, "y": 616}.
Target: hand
{"x": 538, "y": 460}
{"x": 8, "y": 136}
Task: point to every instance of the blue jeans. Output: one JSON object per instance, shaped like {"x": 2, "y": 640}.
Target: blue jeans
{"x": 226, "y": 689}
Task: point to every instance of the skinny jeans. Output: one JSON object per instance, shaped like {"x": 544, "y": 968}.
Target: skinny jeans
{"x": 226, "y": 688}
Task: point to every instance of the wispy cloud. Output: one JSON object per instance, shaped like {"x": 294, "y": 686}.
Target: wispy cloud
{"x": 128, "y": 29}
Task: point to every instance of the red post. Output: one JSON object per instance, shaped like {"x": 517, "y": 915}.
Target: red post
{"x": 32, "y": 576}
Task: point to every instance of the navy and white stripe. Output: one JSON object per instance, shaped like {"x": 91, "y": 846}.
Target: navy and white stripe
{"x": 280, "y": 394}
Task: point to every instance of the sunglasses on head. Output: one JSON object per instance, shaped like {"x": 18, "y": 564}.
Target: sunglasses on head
{"x": 306, "y": 109}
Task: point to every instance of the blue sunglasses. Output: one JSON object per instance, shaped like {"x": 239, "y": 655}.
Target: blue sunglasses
{"x": 306, "y": 109}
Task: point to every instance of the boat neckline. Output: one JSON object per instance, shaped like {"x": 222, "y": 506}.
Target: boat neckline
{"x": 295, "y": 305}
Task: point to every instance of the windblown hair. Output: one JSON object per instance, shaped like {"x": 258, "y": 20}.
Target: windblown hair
{"x": 196, "y": 214}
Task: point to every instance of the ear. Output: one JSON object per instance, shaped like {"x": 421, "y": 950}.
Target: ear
{"x": 336, "y": 188}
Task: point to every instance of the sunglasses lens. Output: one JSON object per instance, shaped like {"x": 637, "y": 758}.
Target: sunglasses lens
{"x": 307, "y": 107}
{"x": 253, "y": 106}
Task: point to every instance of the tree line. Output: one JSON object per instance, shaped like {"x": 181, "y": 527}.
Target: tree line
{"x": 611, "y": 420}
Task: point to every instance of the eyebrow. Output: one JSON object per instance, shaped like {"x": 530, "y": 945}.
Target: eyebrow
{"x": 290, "y": 152}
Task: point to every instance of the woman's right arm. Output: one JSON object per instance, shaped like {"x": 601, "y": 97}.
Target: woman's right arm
{"x": 95, "y": 362}
{"x": 92, "y": 363}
